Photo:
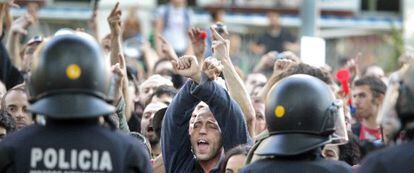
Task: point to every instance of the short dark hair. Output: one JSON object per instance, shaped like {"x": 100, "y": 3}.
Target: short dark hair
{"x": 214, "y": 15}
{"x": 351, "y": 151}
{"x": 303, "y": 68}
{"x": 376, "y": 85}
{"x": 164, "y": 89}
{"x": 241, "y": 149}
{"x": 132, "y": 73}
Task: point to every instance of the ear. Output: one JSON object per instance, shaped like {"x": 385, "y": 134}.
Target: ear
{"x": 379, "y": 99}
{"x": 190, "y": 130}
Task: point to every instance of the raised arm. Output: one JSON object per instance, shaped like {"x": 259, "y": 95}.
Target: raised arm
{"x": 266, "y": 62}
{"x": 3, "y": 9}
{"x": 279, "y": 66}
{"x": 114, "y": 21}
{"x": 198, "y": 43}
{"x": 93, "y": 24}
{"x": 150, "y": 57}
{"x": 166, "y": 49}
{"x": 226, "y": 111}
{"x": 158, "y": 28}
{"x": 17, "y": 30}
{"x": 9, "y": 74}
{"x": 234, "y": 83}
{"x": 5, "y": 14}
{"x": 119, "y": 102}
{"x": 176, "y": 146}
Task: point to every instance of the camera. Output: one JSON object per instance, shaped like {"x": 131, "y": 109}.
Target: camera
{"x": 221, "y": 29}
{"x": 280, "y": 56}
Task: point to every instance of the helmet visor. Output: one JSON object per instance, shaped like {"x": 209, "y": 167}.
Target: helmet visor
{"x": 340, "y": 135}
{"x": 67, "y": 106}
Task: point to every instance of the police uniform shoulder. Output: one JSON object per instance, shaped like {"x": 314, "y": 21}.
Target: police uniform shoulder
{"x": 374, "y": 161}
{"x": 125, "y": 136}
{"x": 121, "y": 138}
{"x": 257, "y": 165}
{"x": 394, "y": 151}
{"x": 127, "y": 139}
{"x": 23, "y": 134}
{"x": 390, "y": 153}
{"x": 136, "y": 150}
{"x": 338, "y": 166}
{"x": 247, "y": 168}
{"x": 378, "y": 153}
{"x": 392, "y": 159}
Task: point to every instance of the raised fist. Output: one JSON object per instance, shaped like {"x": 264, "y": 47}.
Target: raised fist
{"x": 187, "y": 66}
{"x": 21, "y": 24}
{"x": 212, "y": 68}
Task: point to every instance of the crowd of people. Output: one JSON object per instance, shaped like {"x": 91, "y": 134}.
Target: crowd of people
{"x": 178, "y": 102}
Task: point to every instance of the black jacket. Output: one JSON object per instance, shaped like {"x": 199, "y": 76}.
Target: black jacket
{"x": 9, "y": 74}
{"x": 306, "y": 163}
{"x": 74, "y": 146}
{"x": 394, "y": 159}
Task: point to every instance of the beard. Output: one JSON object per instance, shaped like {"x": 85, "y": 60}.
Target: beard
{"x": 215, "y": 149}
{"x": 154, "y": 140}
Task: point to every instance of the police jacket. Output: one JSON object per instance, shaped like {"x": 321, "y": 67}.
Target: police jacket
{"x": 72, "y": 146}
{"x": 306, "y": 163}
{"x": 394, "y": 159}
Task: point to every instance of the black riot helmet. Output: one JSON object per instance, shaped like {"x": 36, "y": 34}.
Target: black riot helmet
{"x": 70, "y": 79}
{"x": 301, "y": 113}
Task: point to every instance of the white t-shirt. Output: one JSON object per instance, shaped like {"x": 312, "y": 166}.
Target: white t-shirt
{"x": 175, "y": 31}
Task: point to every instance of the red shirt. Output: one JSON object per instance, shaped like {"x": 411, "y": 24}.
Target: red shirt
{"x": 369, "y": 134}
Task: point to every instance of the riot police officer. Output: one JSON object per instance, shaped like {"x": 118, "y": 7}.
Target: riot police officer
{"x": 69, "y": 85}
{"x": 302, "y": 116}
{"x": 397, "y": 121}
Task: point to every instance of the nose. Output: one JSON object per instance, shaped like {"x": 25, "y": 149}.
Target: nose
{"x": 20, "y": 115}
{"x": 150, "y": 119}
{"x": 203, "y": 130}
{"x": 356, "y": 101}
{"x": 151, "y": 91}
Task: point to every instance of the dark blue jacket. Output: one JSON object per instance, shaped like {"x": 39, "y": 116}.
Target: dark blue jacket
{"x": 9, "y": 74}
{"x": 80, "y": 145}
{"x": 176, "y": 146}
{"x": 392, "y": 159}
{"x": 297, "y": 166}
